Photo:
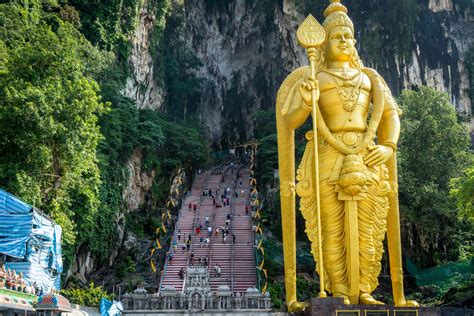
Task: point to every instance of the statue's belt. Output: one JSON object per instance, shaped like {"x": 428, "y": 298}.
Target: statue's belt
{"x": 350, "y": 139}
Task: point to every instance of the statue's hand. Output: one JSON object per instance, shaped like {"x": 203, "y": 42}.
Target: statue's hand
{"x": 305, "y": 89}
{"x": 378, "y": 155}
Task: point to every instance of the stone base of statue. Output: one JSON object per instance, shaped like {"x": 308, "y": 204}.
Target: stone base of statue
{"x": 334, "y": 306}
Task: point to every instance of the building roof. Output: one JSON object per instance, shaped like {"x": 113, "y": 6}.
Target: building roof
{"x": 53, "y": 302}
{"x": 10, "y": 302}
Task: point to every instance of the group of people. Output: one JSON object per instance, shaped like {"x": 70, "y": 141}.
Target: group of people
{"x": 225, "y": 230}
{"x": 192, "y": 206}
{"x": 185, "y": 241}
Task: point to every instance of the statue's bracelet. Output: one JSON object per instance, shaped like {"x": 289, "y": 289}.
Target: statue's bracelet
{"x": 391, "y": 145}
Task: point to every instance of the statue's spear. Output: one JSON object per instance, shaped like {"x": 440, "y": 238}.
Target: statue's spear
{"x": 311, "y": 35}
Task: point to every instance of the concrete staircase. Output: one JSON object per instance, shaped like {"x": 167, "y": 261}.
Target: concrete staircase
{"x": 184, "y": 226}
{"x": 237, "y": 261}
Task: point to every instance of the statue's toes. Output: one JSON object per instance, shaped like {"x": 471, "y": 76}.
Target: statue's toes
{"x": 296, "y": 307}
{"x": 411, "y": 304}
{"x": 405, "y": 303}
{"x": 368, "y": 299}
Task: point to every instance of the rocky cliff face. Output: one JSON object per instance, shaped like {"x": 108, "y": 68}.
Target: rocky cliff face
{"x": 440, "y": 44}
{"x": 139, "y": 183}
{"x": 141, "y": 85}
{"x": 247, "y": 48}
{"x": 244, "y": 56}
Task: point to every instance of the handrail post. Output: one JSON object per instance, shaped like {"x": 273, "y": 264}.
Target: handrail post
{"x": 193, "y": 229}
{"x": 233, "y": 234}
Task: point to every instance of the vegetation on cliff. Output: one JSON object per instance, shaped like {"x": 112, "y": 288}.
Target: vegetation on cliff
{"x": 67, "y": 132}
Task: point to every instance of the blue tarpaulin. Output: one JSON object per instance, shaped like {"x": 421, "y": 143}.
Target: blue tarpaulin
{"x": 108, "y": 308}
{"x": 12, "y": 205}
{"x": 16, "y": 222}
{"x": 31, "y": 237}
{"x": 15, "y": 230}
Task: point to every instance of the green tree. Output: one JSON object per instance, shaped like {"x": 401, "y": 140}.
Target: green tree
{"x": 49, "y": 107}
{"x": 433, "y": 149}
{"x": 86, "y": 296}
{"x": 462, "y": 190}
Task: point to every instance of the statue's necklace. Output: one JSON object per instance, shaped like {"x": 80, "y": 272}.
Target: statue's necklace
{"x": 342, "y": 74}
{"x": 379, "y": 92}
{"x": 348, "y": 91}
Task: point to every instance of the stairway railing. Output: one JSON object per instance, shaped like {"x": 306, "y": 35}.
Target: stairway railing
{"x": 232, "y": 207}
{"x": 193, "y": 231}
{"x": 165, "y": 267}
{"x": 232, "y": 201}
{"x": 214, "y": 226}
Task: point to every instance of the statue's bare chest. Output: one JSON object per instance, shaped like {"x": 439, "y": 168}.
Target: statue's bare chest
{"x": 344, "y": 99}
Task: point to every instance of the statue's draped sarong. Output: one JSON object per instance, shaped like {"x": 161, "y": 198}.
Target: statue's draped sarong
{"x": 372, "y": 210}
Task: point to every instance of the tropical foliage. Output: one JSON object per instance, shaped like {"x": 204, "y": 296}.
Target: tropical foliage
{"x": 49, "y": 108}
{"x": 87, "y": 296}
{"x": 67, "y": 132}
{"x": 433, "y": 150}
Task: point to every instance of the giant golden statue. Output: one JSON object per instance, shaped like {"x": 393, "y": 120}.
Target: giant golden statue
{"x": 351, "y": 201}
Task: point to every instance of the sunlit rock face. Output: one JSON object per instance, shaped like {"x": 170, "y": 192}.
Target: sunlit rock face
{"x": 440, "y": 5}
{"x": 141, "y": 85}
{"x": 139, "y": 183}
{"x": 248, "y": 47}
{"x": 440, "y": 45}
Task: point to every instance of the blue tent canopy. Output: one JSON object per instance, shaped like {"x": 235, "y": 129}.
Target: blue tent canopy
{"x": 28, "y": 235}
{"x": 108, "y": 308}
{"x": 12, "y": 205}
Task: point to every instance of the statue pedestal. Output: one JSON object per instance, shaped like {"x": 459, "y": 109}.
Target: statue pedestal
{"x": 334, "y": 306}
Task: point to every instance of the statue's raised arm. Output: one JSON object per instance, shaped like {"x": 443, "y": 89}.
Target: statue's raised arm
{"x": 346, "y": 182}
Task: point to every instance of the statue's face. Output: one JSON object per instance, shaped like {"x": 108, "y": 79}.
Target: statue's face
{"x": 340, "y": 44}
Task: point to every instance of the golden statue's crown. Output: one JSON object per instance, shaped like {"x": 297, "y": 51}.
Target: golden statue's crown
{"x": 336, "y": 15}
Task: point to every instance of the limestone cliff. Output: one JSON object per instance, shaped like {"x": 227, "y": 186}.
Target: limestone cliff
{"x": 139, "y": 183}
{"x": 246, "y": 48}
{"x": 142, "y": 85}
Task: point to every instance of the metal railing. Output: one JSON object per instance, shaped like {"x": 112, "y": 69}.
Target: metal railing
{"x": 232, "y": 229}
{"x": 165, "y": 267}
{"x": 232, "y": 241}
{"x": 214, "y": 226}
{"x": 193, "y": 231}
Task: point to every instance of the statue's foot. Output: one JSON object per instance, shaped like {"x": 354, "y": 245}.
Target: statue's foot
{"x": 345, "y": 297}
{"x": 367, "y": 299}
{"x": 405, "y": 303}
{"x": 296, "y": 306}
